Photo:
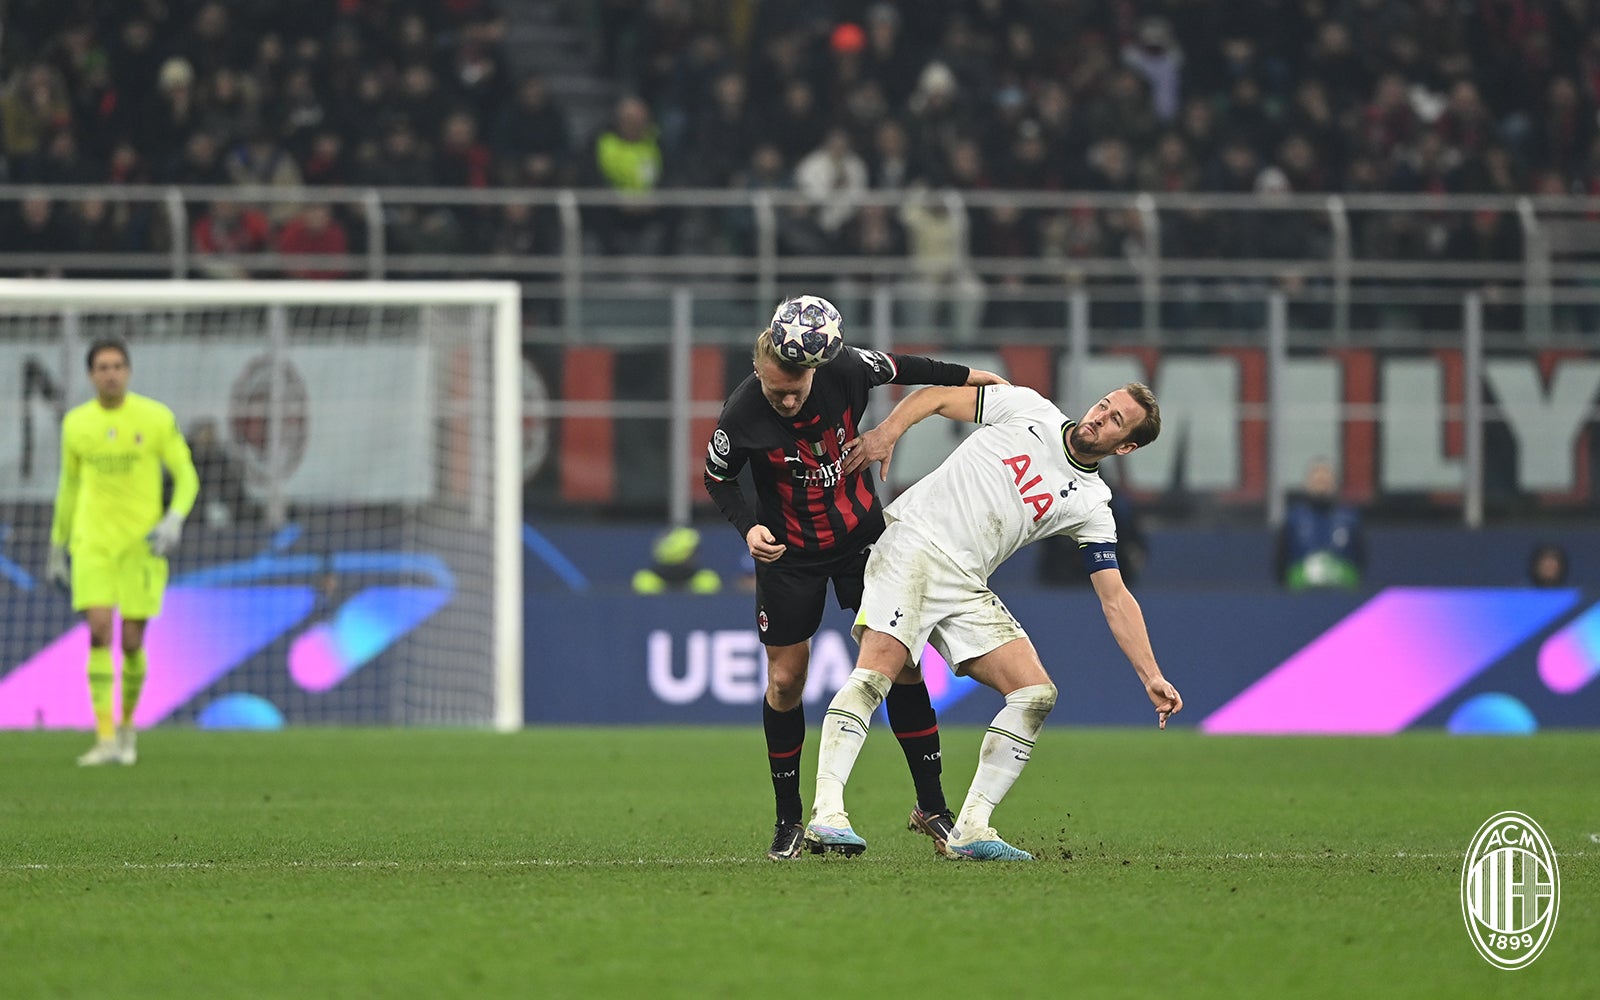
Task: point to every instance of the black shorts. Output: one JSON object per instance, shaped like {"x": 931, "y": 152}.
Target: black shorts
{"x": 790, "y": 597}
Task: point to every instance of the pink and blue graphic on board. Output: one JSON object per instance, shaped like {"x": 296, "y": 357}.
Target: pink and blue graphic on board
{"x": 1570, "y": 659}
{"x": 1397, "y": 657}
{"x": 944, "y": 687}
{"x": 217, "y": 618}
{"x": 202, "y": 634}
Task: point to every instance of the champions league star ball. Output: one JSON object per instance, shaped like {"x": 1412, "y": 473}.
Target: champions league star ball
{"x": 805, "y": 331}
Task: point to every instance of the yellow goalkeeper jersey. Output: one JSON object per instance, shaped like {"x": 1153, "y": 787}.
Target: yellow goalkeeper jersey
{"x": 111, "y": 460}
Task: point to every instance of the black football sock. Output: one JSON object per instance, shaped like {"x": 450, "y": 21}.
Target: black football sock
{"x": 917, "y": 728}
{"x": 786, "y": 734}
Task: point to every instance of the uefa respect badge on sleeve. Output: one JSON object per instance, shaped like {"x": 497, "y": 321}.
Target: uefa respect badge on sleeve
{"x": 1510, "y": 890}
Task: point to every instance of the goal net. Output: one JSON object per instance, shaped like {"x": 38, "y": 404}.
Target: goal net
{"x": 355, "y": 553}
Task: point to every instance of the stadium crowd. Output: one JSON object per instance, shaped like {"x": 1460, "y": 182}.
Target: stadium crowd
{"x": 1487, "y": 96}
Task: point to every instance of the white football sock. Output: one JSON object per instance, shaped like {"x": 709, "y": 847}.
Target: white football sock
{"x": 844, "y": 730}
{"x": 1006, "y": 748}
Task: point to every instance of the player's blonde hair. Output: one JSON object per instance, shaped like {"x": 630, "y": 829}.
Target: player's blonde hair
{"x": 766, "y": 350}
{"x": 1150, "y": 427}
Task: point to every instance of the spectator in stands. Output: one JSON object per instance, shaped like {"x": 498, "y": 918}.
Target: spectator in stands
{"x": 628, "y": 159}
{"x": 1004, "y": 231}
{"x": 477, "y": 67}
{"x": 1559, "y": 138}
{"x": 127, "y": 166}
{"x": 1491, "y": 237}
{"x": 1156, "y": 57}
{"x": 521, "y": 229}
{"x": 260, "y": 161}
{"x": 833, "y": 176}
{"x": 269, "y": 63}
{"x": 228, "y": 105}
{"x": 347, "y": 63}
{"x": 1172, "y": 168}
{"x": 1339, "y": 98}
{"x": 1322, "y": 542}
{"x": 39, "y": 226}
{"x": 1465, "y": 124}
{"x": 942, "y": 281}
{"x": 211, "y": 42}
{"x": 766, "y": 171}
{"x": 532, "y": 125}
{"x": 865, "y": 110}
{"x": 100, "y": 115}
{"x": 1122, "y": 111}
{"x": 361, "y": 115}
{"x": 1028, "y": 165}
{"x": 34, "y": 105}
{"x": 725, "y": 134}
{"x": 326, "y": 164}
{"x": 98, "y": 228}
{"x": 798, "y": 125}
{"x": 135, "y": 61}
{"x": 229, "y": 228}
{"x": 875, "y": 232}
{"x": 887, "y": 59}
{"x": 422, "y": 100}
{"x": 461, "y": 160}
{"x": 173, "y": 113}
{"x": 314, "y": 231}
{"x": 687, "y": 92}
{"x": 59, "y": 162}
{"x": 402, "y": 160}
{"x": 889, "y": 166}
{"x": 299, "y": 112}
{"x": 199, "y": 162}
{"x": 938, "y": 118}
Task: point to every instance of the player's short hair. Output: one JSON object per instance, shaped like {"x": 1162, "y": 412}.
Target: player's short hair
{"x": 766, "y": 350}
{"x": 1149, "y": 428}
{"x": 107, "y": 344}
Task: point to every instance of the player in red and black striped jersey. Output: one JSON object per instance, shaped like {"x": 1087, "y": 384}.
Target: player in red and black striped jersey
{"x": 814, "y": 523}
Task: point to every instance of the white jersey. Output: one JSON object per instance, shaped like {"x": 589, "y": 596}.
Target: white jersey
{"x": 1010, "y": 483}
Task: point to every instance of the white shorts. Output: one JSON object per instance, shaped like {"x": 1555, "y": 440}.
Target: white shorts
{"x": 916, "y": 593}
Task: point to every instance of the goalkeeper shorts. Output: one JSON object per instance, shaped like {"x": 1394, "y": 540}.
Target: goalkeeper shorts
{"x": 132, "y": 581}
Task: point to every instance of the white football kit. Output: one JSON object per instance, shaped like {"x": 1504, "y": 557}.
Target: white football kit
{"x": 1010, "y": 483}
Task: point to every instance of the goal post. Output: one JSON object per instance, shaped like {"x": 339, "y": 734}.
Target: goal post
{"x": 356, "y": 554}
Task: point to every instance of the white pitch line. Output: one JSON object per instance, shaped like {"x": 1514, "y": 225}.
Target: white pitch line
{"x": 681, "y": 862}
{"x": 340, "y": 865}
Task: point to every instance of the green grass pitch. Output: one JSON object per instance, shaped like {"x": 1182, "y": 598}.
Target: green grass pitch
{"x": 629, "y": 863}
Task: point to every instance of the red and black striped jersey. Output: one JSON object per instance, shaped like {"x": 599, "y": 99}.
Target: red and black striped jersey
{"x": 802, "y": 495}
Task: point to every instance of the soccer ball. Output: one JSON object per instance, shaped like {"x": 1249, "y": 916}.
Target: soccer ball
{"x": 805, "y": 331}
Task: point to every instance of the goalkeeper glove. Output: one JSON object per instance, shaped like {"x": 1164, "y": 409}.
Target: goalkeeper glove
{"x": 56, "y": 568}
{"x": 163, "y": 538}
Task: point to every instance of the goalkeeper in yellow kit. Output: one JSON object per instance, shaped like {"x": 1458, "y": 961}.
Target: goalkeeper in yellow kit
{"x": 108, "y": 516}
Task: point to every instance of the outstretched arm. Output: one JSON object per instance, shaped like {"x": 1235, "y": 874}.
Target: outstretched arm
{"x": 56, "y": 567}
{"x": 185, "y": 481}
{"x": 1127, "y": 625}
{"x": 957, "y": 402}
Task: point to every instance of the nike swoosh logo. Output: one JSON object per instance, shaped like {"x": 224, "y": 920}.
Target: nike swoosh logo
{"x": 1035, "y": 433}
